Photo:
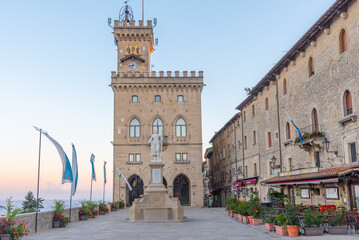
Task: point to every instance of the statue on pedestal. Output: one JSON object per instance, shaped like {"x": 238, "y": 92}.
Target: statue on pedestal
{"x": 156, "y": 141}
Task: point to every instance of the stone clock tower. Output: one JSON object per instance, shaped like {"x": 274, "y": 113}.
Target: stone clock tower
{"x": 145, "y": 101}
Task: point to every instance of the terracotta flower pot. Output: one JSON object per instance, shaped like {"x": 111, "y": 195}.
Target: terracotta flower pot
{"x": 338, "y": 230}
{"x": 314, "y": 231}
{"x": 239, "y": 216}
{"x": 281, "y": 231}
{"x": 245, "y": 219}
{"x": 293, "y": 230}
{"x": 256, "y": 222}
{"x": 231, "y": 213}
{"x": 56, "y": 224}
{"x": 5, "y": 236}
{"x": 269, "y": 226}
{"x": 83, "y": 217}
{"x": 250, "y": 219}
{"x": 102, "y": 212}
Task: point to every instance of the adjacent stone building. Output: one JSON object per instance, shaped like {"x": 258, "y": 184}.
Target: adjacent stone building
{"x": 316, "y": 84}
{"x": 145, "y": 101}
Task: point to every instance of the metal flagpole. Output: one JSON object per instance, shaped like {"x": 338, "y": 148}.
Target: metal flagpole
{"x": 143, "y": 10}
{"x": 70, "y": 204}
{"x": 38, "y": 180}
{"x": 91, "y": 188}
{"x": 104, "y": 185}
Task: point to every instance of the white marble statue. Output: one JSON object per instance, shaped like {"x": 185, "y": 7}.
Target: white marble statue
{"x": 156, "y": 141}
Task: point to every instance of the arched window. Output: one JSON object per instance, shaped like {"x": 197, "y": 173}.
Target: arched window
{"x": 266, "y": 104}
{"x": 348, "y": 106}
{"x": 284, "y": 87}
{"x": 287, "y": 129}
{"x": 135, "y": 128}
{"x": 180, "y": 128}
{"x": 311, "y": 67}
{"x": 343, "y": 40}
{"x": 157, "y": 124}
{"x": 315, "y": 124}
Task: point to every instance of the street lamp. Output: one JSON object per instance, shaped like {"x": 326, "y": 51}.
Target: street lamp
{"x": 273, "y": 160}
{"x": 326, "y": 144}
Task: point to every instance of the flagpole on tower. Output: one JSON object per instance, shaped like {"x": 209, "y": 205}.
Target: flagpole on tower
{"x": 143, "y": 10}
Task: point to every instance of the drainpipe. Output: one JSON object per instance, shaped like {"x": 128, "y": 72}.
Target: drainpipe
{"x": 243, "y": 170}
{"x": 279, "y": 136}
{"x": 235, "y": 149}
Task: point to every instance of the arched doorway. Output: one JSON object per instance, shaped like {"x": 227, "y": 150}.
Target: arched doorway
{"x": 181, "y": 189}
{"x": 137, "y": 188}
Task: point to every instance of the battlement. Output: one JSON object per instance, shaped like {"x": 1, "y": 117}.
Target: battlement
{"x": 160, "y": 74}
{"x": 123, "y": 24}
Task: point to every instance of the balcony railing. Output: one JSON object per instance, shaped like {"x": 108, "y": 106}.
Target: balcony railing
{"x": 313, "y": 136}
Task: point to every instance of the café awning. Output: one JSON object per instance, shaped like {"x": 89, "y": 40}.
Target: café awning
{"x": 245, "y": 181}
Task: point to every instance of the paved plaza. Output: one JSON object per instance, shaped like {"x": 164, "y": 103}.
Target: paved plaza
{"x": 204, "y": 223}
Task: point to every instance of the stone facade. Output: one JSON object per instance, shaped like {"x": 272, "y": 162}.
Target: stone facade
{"x": 173, "y": 98}
{"x": 310, "y": 83}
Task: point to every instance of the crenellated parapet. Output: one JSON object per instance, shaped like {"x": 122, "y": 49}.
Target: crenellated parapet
{"x": 125, "y": 32}
{"x": 154, "y": 74}
{"x": 157, "y": 81}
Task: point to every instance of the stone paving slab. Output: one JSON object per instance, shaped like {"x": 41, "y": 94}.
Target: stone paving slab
{"x": 204, "y": 223}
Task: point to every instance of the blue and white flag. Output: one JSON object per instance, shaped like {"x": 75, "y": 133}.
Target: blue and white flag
{"x": 74, "y": 171}
{"x": 104, "y": 172}
{"x": 92, "y": 160}
{"x": 120, "y": 174}
{"x": 299, "y": 133}
{"x": 66, "y": 166}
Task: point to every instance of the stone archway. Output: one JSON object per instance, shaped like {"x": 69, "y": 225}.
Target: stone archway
{"x": 181, "y": 189}
{"x": 137, "y": 188}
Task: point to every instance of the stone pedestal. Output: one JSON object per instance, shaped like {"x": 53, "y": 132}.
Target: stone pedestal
{"x": 155, "y": 204}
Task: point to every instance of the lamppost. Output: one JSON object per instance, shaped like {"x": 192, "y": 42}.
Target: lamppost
{"x": 326, "y": 144}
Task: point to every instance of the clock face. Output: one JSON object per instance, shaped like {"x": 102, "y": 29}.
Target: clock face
{"x": 132, "y": 65}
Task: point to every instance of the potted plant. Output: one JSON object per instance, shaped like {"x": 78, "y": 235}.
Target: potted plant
{"x": 292, "y": 224}
{"x": 313, "y": 221}
{"x": 337, "y": 223}
{"x": 257, "y": 212}
{"x": 268, "y": 221}
{"x": 85, "y": 212}
{"x": 231, "y": 204}
{"x": 115, "y": 205}
{"x": 92, "y": 207}
{"x": 59, "y": 219}
{"x": 9, "y": 229}
{"x": 238, "y": 211}
{"x": 243, "y": 211}
{"x": 251, "y": 205}
{"x": 103, "y": 208}
{"x": 122, "y": 203}
{"x": 280, "y": 222}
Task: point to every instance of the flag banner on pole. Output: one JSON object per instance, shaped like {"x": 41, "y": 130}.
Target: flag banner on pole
{"x": 104, "y": 172}
{"x": 120, "y": 174}
{"x": 299, "y": 133}
{"x": 66, "y": 166}
{"x": 74, "y": 171}
{"x": 92, "y": 160}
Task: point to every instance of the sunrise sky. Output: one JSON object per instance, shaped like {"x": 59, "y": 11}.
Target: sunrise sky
{"x": 57, "y": 57}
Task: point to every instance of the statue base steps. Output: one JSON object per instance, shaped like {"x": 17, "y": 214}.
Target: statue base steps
{"x": 156, "y": 206}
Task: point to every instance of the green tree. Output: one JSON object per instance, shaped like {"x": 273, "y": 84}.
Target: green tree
{"x": 29, "y": 205}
